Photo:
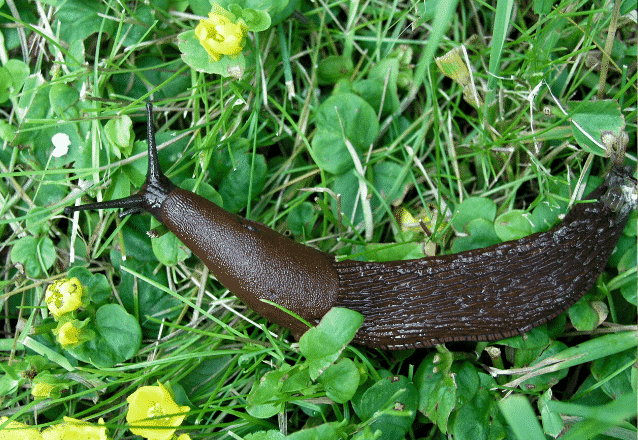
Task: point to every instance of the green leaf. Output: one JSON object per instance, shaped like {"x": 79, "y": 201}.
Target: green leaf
{"x": 624, "y": 244}
{"x": 146, "y": 301}
{"x": 120, "y": 329}
{"x": 587, "y": 314}
{"x": 369, "y": 89}
{"x": 340, "y": 380}
{"x": 322, "y": 345}
{"x": 301, "y": 219}
{"x": 206, "y": 372}
{"x": 142, "y": 20}
{"x": 386, "y": 73}
{"x": 269, "y": 386}
{"x": 264, "y": 410}
{"x": 327, "y": 431}
{"x": 236, "y": 188}
{"x": 9, "y": 384}
{"x": 480, "y": 234}
{"x": 277, "y": 14}
{"x": 35, "y": 254}
{"x": 136, "y": 241}
{"x": 119, "y": 133}
{"x": 472, "y": 421}
{"x": 36, "y": 221}
{"x": 342, "y": 117}
{"x": 223, "y": 158}
{"x": 5, "y": 84}
{"x": 391, "y": 403}
{"x": 595, "y": 123}
{"x": 467, "y": 382}
{"x": 256, "y": 20}
{"x": 543, "y": 7}
{"x": 629, "y": 289}
{"x": 614, "y": 373}
{"x": 546, "y": 214}
{"x": 97, "y": 288}
{"x": 513, "y": 225}
{"x": 390, "y": 180}
{"x": 335, "y": 330}
{"x": 266, "y": 397}
{"x": 7, "y": 131}
{"x": 333, "y": 68}
{"x": 628, "y": 260}
{"x": 471, "y": 209}
{"x": 200, "y": 7}
{"x": 79, "y": 19}
{"x": 367, "y": 434}
{"x": 12, "y": 76}
{"x": 272, "y": 434}
{"x": 437, "y": 390}
{"x": 400, "y": 251}
{"x": 552, "y": 421}
{"x": 19, "y": 72}
{"x": 62, "y": 97}
{"x": 271, "y": 6}
{"x": 347, "y": 185}
{"x": 118, "y": 339}
{"x": 631, "y": 229}
{"x": 298, "y": 381}
{"x": 537, "y": 338}
{"x": 169, "y": 250}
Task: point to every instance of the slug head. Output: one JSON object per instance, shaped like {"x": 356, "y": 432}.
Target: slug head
{"x": 151, "y": 195}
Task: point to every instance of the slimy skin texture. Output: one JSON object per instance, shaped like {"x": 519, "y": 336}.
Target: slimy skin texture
{"x": 484, "y": 294}
{"x": 478, "y": 295}
{"x": 253, "y": 261}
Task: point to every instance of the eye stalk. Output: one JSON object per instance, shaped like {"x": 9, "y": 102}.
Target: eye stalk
{"x": 151, "y": 195}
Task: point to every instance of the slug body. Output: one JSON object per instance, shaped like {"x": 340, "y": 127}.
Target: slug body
{"x": 253, "y": 261}
{"x": 485, "y": 294}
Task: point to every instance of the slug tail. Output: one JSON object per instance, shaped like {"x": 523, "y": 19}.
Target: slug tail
{"x": 491, "y": 293}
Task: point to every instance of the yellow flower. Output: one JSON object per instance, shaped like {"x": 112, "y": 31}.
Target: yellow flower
{"x": 153, "y": 407}
{"x": 184, "y": 437}
{"x": 68, "y": 334}
{"x": 219, "y": 35}
{"x": 64, "y": 296}
{"x": 18, "y": 431}
{"x": 73, "y": 429}
{"x": 42, "y": 390}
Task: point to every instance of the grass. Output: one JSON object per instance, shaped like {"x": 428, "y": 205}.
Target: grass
{"x": 255, "y": 144}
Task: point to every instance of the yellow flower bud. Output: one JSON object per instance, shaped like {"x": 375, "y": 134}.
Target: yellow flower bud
{"x": 73, "y": 429}
{"x": 18, "y": 431}
{"x": 64, "y": 296}
{"x": 153, "y": 407}
{"x": 67, "y": 334}
{"x": 220, "y": 36}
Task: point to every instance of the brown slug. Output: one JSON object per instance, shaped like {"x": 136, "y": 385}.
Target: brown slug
{"x": 485, "y": 294}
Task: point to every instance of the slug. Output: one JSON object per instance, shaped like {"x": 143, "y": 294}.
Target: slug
{"x": 479, "y": 295}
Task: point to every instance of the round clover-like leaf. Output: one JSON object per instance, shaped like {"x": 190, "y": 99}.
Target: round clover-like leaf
{"x": 341, "y": 380}
{"x": 513, "y": 225}
{"x": 391, "y": 403}
{"x": 343, "y": 118}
